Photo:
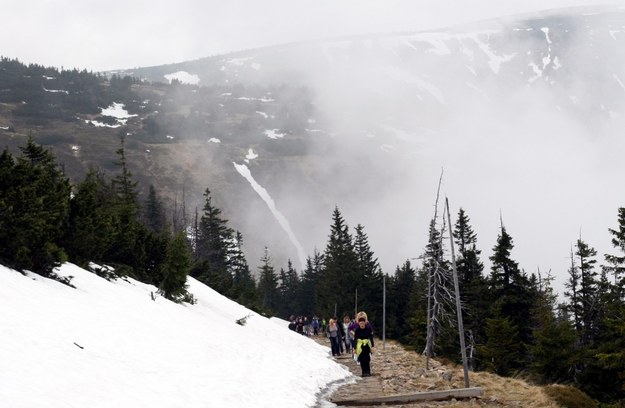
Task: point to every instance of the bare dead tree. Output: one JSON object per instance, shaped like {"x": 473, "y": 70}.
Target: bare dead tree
{"x": 429, "y": 336}
{"x": 442, "y": 297}
{"x": 439, "y": 295}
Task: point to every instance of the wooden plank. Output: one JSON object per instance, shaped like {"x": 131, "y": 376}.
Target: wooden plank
{"x": 407, "y": 398}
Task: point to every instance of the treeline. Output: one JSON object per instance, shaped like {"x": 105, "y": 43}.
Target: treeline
{"x": 44, "y": 221}
{"x": 44, "y": 93}
{"x": 512, "y": 320}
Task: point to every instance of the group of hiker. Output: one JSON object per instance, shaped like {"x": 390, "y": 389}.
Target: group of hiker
{"x": 353, "y": 336}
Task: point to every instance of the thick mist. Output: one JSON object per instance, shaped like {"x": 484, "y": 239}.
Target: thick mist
{"x": 523, "y": 116}
{"x": 525, "y": 122}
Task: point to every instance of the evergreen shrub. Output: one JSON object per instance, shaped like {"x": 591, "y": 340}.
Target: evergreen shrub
{"x": 570, "y": 397}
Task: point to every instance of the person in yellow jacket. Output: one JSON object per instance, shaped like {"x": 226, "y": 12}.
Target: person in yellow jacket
{"x": 363, "y": 336}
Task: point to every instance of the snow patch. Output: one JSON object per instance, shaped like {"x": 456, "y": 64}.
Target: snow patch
{"x": 109, "y": 344}
{"x": 273, "y": 134}
{"x": 251, "y": 155}
{"x": 183, "y": 77}
{"x": 56, "y": 90}
{"x": 102, "y": 124}
{"x": 495, "y": 61}
{"x": 546, "y": 31}
{"x": 117, "y": 111}
{"x": 246, "y": 98}
{"x": 284, "y": 223}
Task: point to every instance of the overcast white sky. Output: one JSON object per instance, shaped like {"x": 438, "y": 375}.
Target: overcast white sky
{"x": 132, "y": 33}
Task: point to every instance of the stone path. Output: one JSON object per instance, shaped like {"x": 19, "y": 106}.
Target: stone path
{"x": 396, "y": 371}
{"x": 365, "y": 387}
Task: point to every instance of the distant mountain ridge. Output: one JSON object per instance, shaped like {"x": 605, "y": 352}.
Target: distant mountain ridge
{"x": 435, "y": 61}
{"x": 367, "y": 123}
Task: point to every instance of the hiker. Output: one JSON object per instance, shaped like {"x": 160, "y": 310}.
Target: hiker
{"x": 292, "y": 323}
{"x": 315, "y": 325}
{"x": 334, "y": 335}
{"x": 306, "y": 327}
{"x": 348, "y": 336}
{"x": 363, "y": 336}
{"x": 300, "y": 325}
{"x": 339, "y": 325}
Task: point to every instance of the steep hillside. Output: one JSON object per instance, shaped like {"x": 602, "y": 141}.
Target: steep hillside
{"x": 118, "y": 344}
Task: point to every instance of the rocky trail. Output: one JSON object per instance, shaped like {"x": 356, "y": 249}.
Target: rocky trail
{"x": 399, "y": 378}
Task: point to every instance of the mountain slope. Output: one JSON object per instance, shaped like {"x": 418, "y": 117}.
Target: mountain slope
{"x": 522, "y": 114}
{"x": 108, "y": 344}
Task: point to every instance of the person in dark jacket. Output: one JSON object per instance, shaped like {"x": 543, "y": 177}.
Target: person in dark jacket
{"x": 341, "y": 335}
{"x": 363, "y": 335}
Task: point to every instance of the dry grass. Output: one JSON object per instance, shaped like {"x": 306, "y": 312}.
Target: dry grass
{"x": 511, "y": 391}
{"x": 498, "y": 391}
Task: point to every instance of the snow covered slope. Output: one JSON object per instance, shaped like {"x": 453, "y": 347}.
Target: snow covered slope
{"x": 108, "y": 344}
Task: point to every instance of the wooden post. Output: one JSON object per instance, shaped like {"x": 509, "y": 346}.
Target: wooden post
{"x": 458, "y": 309}
{"x": 383, "y": 312}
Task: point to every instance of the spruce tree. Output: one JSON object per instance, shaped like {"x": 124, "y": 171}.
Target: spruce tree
{"x": 504, "y": 270}
{"x": 575, "y": 304}
{"x": 308, "y": 298}
{"x": 417, "y": 313}
{"x": 469, "y": 266}
{"x": 553, "y": 350}
{"x": 176, "y": 268}
{"x": 8, "y": 185}
{"x": 243, "y": 285}
{"x": 213, "y": 246}
{"x": 34, "y": 208}
{"x": 603, "y": 376}
{"x": 155, "y": 246}
{"x": 155, "y": 219}
{"x": 616, "y": 263}
{"x": 288, "y": 290}
{"x": 369, "y": 274}
{"x": 268, "y": 285}
{"x": 339, "y": 278}
{"x": 514, "y": 293}
{"x": 502, "y": 352}
{"x": 214, "y": 241}
{"x": 399, "y": 292}
{"x": 587, "y": 290}
{"x": 125, "y": 250}
{"x": 474, "y": 292}
{"x": 90, "y": 231}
